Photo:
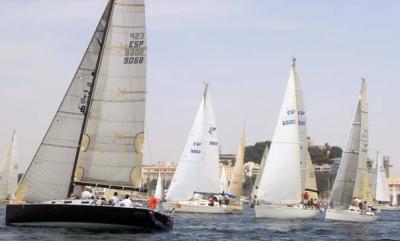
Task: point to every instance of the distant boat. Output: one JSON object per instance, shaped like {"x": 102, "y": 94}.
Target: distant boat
{"x": 236, "y": 184}
{"x": 159, "y": 188}
{"x": 223, "y": 182}
{"x": 96, "y": 137}
{"x": 197, "y": 176}
{"x": 350, "y": 179}
{"x": 254, "y": 190}
{"x": 10, "y": 170}
{"x": 282, "y": 183}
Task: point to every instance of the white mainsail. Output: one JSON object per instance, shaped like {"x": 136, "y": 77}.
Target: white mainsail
{"x": 346, "y": 183}
{"x": 9, "y": 170}
{"x": 198, "y": 168}
{"x": 236, "y": 184}
{"x": 159, "y": 188}
{"x": 282, "y": 179}
{"x": 105, "y": 102}
{"x": 382, "y": 186}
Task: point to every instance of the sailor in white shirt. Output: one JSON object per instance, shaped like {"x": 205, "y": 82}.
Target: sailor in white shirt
{"x": 86, "y": 194}
{"x": 115, "y": 199}
{"x": 126, "y": 202}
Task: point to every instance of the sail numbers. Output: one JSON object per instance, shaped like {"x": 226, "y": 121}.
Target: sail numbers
{"x": 134, "y": 53}
{"x": 293, "y": 121}
{"x": 85, "y": 98}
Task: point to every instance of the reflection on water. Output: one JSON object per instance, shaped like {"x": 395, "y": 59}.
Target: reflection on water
{"x": 225, "y": 227}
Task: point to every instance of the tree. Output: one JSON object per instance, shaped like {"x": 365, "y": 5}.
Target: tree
{"x": 255, "y": 153}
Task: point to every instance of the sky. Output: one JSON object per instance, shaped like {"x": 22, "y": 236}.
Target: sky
{"x": 242, "y": 48}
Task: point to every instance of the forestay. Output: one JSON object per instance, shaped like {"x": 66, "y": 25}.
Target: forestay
{"x": 282, "y": 178}
{"x": 49, "y": 174}
{"x": 112, "y": 153}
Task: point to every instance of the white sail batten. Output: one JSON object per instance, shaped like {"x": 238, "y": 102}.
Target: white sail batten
{"x": 9, "y": 170}
{"x": 236, "y": 184}
{"x": 159, "y": 188}
{"x": 348, "y": 183}
{"x": 49, "y": 174}
{"x": 198, "y": 168}
{"x": 281, "y": 178}
{"x": 382, "y": 186}
{"x": 115, "y": 125}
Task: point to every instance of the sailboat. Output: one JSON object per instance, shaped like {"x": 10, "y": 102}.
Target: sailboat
{"x": 159, "y": 188}
{"x": 350, "y": 179}
{"x": 197, "y": 176}
{"x": 10, "y": 170}
{"x": 236, "y": 184}
{"x": 223, "y": 182}
{"x": 254, "y": 190}
{"x": 282, "y": 183}
{"x": 310, "y": 182}
{"x": 394, "y": 197}
{"x": 96, "y": 137}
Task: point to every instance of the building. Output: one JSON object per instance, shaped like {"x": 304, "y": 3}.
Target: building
{"x": 322, "y": 168}
{"x": 335, "y": 166}
{"x": 394, "y": 182}
{"x": 166, "y": 169}
{"x": 251, "y": 168}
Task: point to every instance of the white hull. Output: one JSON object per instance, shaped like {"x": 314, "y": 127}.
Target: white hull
{"x": 197, "y": 207}
{"x": 387, "y": 207}
{"x": 284, "y": 212}
{"x": 349, "y": 216}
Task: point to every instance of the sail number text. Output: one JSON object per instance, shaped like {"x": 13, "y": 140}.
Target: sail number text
{"x": 135, "y": 51}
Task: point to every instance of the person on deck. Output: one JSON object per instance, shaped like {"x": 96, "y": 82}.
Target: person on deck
{"x": 211, "y": 201}
{"x": 153, "y": 202}
{"x": 86, "y": 194}
{"x": 115, "y": 199}
{"x": 305, "y": 199}
{"x": 126, "y": 202}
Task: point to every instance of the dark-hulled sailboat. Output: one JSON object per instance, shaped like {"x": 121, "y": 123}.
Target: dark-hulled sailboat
{"x": 96, "y": 137}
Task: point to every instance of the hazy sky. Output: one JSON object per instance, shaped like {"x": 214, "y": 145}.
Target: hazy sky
{"x": 242, "y": 48}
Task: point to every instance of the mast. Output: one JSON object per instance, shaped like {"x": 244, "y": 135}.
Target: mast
{"x": 90, "y": 95}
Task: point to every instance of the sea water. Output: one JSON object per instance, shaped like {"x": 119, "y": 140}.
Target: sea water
{"x": 224, "y": 227}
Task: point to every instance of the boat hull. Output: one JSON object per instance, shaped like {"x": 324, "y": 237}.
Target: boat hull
{"x": 197, "y": 207}
{"x": 283, "y": 212}
{"x": 386, "y": 208}
{"x": 87, "y": 216}
{"x": 348, "y": 216}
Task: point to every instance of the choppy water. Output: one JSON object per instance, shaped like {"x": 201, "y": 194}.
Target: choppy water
{"x": 224, "y": 227}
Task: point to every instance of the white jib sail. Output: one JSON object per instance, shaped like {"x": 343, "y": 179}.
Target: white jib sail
{"x": 282, "y": 178}
{"x": 198, "y": 168}
{"x": 9, "y": 170}
{"x": 159, "y": 188}
{"x": 382, "y": 186}
{"x": 236, "y": 184}
{"x": 310, "y": 182}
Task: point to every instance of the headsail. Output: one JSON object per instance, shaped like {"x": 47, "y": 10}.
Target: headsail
{"x": 223, "y": 182}
{"x": 236, "y": 184}
{"x": 346, "y": 182}
{"x": 260, "y": 172}
{"x": 282, "y": 179}
{"x": 49, "y": 174}
{"x": 394, "y": 196}
{"x": 114, "y": 132}
{"x": 159, "y": 188}
{"x": 198, "y": 168}
{"x": 310, "y": 182}
{"x": 382, "y": 186}
{"x": 9, "y": 170}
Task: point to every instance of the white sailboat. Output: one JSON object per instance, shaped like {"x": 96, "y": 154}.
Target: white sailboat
{"x": 282, "y": 183}
{"x": 236, "y": 184}
{"x": 10, "y": 169}
{"x": 223, "y": 182}
{"x": 350, "y": 177}
{"x": 159, "y": 188}
{"x": 96, "y": 136}
{"x": 394, "y": 197}
{"x": 197, "y": 174}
